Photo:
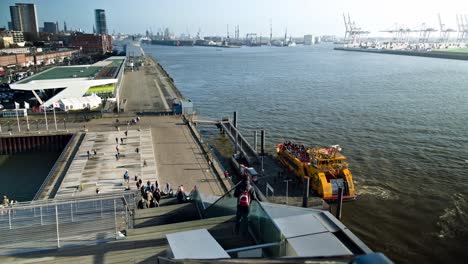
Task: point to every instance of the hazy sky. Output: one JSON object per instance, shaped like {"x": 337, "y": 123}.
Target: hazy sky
{"x": 299, "y": 16}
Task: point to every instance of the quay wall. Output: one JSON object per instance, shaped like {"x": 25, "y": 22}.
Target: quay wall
{"x": 430, "y": 54}
{"x": 10, "y": 145}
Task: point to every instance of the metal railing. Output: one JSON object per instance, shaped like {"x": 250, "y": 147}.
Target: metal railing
{"x": 48, "y": 224}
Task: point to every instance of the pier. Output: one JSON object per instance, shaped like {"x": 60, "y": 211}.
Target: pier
{"x": 72, "y": 222}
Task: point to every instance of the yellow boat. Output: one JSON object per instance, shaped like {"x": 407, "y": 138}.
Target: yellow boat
{"x": 326, "y": 167}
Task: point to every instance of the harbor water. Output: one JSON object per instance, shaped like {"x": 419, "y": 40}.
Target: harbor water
{"x": 22, "y": 174}
{"x": 402, "y": 122}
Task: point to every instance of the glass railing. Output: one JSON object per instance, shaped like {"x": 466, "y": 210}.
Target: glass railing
{"x": 225, "y": 205}
{"x": 264, "y": 229}
{"x": 261, "y": 226}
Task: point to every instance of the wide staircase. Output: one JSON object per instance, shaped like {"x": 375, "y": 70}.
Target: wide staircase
{"x": 144, "y": 238}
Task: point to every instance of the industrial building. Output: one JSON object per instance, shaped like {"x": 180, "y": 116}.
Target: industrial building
{"x": 92, "y": 43}
{"x": 308, "y": 40}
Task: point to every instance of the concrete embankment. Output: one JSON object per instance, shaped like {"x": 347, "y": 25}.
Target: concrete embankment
{"x": 430, "y": 54}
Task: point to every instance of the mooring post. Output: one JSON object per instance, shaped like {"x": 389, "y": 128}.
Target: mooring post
{"x": 340, "y": 203}
{"x": 262, "y": 142}
{"x": 287, "y": 188}
{"x": 235, "y": 119}
{"x": 255, "y": 140}
{"x": 305, "y": 196}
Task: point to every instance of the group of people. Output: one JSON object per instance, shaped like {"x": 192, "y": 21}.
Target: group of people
{"x": 6, "y": 203}
{"x": 150, "y": 194}
{"x": 130, "y": 122}
{"x": 299, "y": 151}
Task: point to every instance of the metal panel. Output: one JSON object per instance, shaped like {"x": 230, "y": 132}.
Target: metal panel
{"x": 318, "y": 245}
{"x": 299, "y": 225}
{"x": 195, "y": 244}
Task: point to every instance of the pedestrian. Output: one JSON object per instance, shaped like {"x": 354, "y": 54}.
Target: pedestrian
{"x": 137, "y": 150}
{"x": 157, "y": 196}
{"x": 136, "y": 177}
{"x": 138, "y": 119}
{"x": 126, "y": 176}
{"x": 97, "y": 190}
{"x": 144, "y": 163}
{"x": 244, "y": 193}
{"x": 5, "y": 201}
{"x": 126, "y": 132}
{"x": 116, "y": 140}
{"x": 226, "y": 174}
{"x": 95, "y": 152}
{"x": 117, "y": 148}
{"x": 121, "y": 140}
{"x": 88, "y": 153}
{"x": 116, "y": 156}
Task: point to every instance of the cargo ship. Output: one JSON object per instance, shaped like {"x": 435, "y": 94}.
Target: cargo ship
{"x": 326, "y": 167}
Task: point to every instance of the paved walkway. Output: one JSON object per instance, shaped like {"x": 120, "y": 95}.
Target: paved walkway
{"x": 103, "y": 170}
{"x": 179, "y": 159}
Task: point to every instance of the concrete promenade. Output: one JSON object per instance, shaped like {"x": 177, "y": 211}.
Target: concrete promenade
{"x": 167, "y": 145}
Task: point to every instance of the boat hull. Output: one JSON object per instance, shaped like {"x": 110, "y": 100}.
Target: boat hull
{"x": 320, "y": 182}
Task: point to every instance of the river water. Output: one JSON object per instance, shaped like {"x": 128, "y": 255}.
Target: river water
{"x": 402, "y": 122}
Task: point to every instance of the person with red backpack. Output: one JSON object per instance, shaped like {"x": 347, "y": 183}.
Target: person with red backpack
{"x": 244, "y": 193}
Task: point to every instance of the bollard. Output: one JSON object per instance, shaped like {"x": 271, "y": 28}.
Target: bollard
{"x": 340, "y": 203}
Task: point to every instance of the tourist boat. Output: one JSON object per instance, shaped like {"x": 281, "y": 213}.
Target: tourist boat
{"x": 326, "y": 167}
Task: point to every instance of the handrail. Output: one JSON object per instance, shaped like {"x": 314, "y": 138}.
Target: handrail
{"x": 224, "y": 195}
{"x": 52, "y": 170}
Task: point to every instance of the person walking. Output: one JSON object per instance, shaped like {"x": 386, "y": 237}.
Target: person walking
{"x": 244, "y": 193}
{"x": 117, "y": 141}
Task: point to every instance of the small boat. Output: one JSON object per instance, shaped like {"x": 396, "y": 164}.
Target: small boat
{"x": 326, "y": 167}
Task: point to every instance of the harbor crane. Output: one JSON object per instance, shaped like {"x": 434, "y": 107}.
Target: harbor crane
{"x": 251, "y": 39}
{"x": 400, "y": 33}
{"x": 462, "y": 23}
{"x": 425, "y": 33}
{"x": 353, "y": 33}
{"x": 444, "y": 32}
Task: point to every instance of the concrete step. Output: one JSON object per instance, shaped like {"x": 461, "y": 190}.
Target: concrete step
{"x": 180, "y": 226}
{"x": 165, "y": 215}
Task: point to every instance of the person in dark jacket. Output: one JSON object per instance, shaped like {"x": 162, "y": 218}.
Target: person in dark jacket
{"x": 244, "y": 193}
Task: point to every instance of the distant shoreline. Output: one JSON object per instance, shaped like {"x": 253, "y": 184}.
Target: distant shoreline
{"x": 429, "y": 54}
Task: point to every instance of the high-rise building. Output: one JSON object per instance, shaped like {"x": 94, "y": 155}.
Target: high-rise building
{"x": 24, "y": 18}
{"x": 51, "y": 27}
{"x": 100, "y": 17}
{"x": 10, "y": 25}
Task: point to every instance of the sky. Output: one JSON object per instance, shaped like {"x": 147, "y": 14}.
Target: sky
{"x": 300, "y": 17}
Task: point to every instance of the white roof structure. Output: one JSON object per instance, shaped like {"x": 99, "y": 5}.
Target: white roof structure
{"x": 77, "y": 103}
{"x": 74, "y": 80}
